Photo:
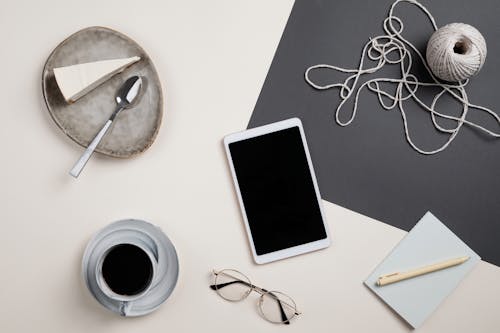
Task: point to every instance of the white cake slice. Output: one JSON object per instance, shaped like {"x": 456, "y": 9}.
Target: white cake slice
{"x": 77, "y": 80}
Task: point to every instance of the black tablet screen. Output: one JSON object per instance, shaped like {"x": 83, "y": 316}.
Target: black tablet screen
{"x": 277, "y": 190}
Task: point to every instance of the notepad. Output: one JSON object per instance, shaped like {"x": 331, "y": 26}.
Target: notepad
{"x": 429, "y": 241}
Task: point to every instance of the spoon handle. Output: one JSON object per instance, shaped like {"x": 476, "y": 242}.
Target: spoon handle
{"x": 78, "y": 167}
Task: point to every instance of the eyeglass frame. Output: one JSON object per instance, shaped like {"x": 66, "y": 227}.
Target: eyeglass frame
{"x": 262, "y": 293}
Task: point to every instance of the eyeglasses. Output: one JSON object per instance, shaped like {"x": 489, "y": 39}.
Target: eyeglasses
{"x": 274, "y": 306}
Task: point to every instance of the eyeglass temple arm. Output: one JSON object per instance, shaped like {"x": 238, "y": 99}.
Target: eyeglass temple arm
{"x": 284, "y": 318}
{"x": 282, "y": 311}
{"x": 222, "y": 285}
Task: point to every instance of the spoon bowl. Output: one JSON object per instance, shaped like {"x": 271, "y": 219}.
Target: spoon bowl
{"x": 129, "y": 92}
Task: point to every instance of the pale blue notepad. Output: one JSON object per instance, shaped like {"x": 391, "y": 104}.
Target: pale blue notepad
{"x": 430, "y": 241}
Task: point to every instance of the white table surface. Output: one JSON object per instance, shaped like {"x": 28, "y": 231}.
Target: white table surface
{"x": 212, "y": 57}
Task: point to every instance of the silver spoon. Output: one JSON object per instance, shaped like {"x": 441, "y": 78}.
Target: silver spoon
{"x": 125, "y": 98}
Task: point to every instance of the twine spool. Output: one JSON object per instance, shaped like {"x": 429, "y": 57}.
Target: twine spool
{"x": 455, "y": 52}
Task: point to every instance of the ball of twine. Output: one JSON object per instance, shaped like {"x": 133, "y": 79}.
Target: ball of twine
{"x": 455, "y": 52}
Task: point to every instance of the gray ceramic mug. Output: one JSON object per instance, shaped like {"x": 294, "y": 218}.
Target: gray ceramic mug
{"x": 126, "y": 301}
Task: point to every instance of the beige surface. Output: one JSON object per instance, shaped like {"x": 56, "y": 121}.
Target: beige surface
{"x": 212, "y": 57}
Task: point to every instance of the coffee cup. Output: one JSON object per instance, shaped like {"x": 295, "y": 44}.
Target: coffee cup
{"x": 125, "y": 272}
{"x": 130, "y": 267}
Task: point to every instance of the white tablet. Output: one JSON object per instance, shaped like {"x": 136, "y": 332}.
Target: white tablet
{"x": 277, "y": 190}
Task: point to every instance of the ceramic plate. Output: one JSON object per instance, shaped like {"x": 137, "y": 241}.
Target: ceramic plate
{"x": 135, "y": 129}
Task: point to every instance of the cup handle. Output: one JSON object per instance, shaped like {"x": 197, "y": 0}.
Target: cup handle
{"x": 125, "y": 307}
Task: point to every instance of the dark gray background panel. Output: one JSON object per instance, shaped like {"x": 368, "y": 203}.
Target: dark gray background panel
{"x": 368, "y": 166}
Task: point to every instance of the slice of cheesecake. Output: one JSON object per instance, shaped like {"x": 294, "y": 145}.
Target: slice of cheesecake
{"x": 77, "y": 80}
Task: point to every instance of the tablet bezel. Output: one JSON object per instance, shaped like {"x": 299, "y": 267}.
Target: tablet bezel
{"x": 295, "y": 250}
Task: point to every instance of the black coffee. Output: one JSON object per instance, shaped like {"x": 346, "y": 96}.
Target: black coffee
{"x": 127, "y": 269}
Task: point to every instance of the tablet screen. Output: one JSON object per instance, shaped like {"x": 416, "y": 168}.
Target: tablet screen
{"x": 277, "y": 190}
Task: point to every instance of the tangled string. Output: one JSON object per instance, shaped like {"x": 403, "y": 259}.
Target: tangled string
{"x": 393, "y": 49}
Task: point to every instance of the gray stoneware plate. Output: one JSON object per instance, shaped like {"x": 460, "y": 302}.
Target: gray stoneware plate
{"x": 135, "y": 129}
